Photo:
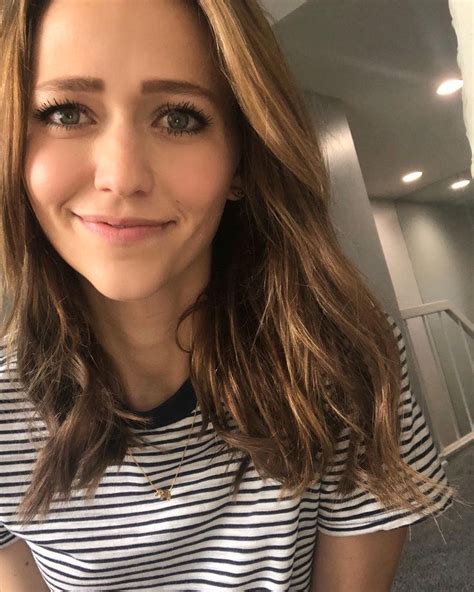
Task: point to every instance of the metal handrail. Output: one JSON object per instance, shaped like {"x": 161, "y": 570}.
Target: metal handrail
{"x": 439, "y": 306}
{"x": 466, "y": 328}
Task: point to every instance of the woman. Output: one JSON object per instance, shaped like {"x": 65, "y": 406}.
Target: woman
{"x": 193, "y": 359}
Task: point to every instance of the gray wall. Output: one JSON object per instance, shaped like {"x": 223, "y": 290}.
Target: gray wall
{"x": 353, "y": 218}
{"x": 350, "y": 208}
{"x": 440, "y": 244}
{"x": 430, "y": 255}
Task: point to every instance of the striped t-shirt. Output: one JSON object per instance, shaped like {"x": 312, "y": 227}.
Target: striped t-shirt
{"x": 126, "y": 539}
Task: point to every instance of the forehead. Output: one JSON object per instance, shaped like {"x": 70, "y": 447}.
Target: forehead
{"x": 124, "y": 42}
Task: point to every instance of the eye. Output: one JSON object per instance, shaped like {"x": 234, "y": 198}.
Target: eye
{"x": 69, "y": 107}
{"x": 178, "y": 115}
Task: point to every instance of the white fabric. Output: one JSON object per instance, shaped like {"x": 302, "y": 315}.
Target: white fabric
{"x": 125, "y": 539}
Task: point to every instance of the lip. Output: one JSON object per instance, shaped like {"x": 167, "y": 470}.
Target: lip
{"x": 123, "y": 221}
{"x": 121, "y": 236}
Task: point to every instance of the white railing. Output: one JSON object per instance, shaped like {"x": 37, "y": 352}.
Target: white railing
{"x": 465, "y": 329}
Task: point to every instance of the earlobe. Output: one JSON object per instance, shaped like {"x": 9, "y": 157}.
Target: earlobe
{"x": 237, "y": 193}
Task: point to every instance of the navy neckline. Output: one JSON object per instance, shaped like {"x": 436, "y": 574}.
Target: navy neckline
{"x": 177, "y": 407}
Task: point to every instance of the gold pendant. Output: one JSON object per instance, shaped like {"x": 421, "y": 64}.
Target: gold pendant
{"x": 163, "y": 494}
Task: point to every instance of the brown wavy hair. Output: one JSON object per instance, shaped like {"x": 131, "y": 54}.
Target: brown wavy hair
{"x": 294, "y": 347}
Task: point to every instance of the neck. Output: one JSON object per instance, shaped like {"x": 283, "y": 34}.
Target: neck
{"x": 141, "y": 339}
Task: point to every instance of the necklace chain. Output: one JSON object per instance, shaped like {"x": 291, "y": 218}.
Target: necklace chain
{"x": 165, "y": 494}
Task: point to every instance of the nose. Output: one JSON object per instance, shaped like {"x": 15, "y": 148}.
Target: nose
{"x": 122, "y": 163}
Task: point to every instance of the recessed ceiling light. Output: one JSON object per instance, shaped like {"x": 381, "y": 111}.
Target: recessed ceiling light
{"x": 412, "y": 176}
{"x": 449, "y": 86}
{"x": 460, "y": 184}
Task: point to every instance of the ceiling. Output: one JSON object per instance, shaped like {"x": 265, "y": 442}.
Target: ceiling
{"x": 384, "y": 60}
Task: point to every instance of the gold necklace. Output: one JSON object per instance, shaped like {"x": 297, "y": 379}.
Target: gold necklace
{"x": 165, "y": 494}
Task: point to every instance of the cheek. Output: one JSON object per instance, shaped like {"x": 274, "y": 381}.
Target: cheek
{"x": 51, "y": 175}
{"x": 199, "y": 181}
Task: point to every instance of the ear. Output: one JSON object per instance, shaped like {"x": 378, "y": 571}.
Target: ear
{"x": 237, "y": 192}
{"x": 235, "y": 197}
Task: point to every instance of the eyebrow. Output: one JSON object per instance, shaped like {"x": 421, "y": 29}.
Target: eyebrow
{"x": 154, "y": 85}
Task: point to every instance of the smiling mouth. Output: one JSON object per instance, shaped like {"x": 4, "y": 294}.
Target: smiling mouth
{"x": 123, "y": 222}
{"x": 121, "y": 235}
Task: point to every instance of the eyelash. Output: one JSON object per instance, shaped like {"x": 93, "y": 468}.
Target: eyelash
{"x": 46, "y": 109}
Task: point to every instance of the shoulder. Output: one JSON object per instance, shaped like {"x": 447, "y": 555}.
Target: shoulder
{"x": 13, "y": 400}
{"x": 17, "y": 415}
{"x": 394, "y": 326}
{"x": 8, "y": 369}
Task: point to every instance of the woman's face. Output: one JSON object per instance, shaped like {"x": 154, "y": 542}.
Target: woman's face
{"x": 122, "y": 155}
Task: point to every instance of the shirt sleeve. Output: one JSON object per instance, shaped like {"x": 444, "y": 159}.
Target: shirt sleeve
{"x": 6, "y": 537}
{"x": 361, "y": 512}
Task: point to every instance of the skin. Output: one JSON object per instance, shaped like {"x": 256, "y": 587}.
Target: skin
{"x": 123, "y": 162}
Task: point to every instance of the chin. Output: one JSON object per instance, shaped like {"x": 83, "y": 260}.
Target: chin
{"x": 123, "y": 289}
